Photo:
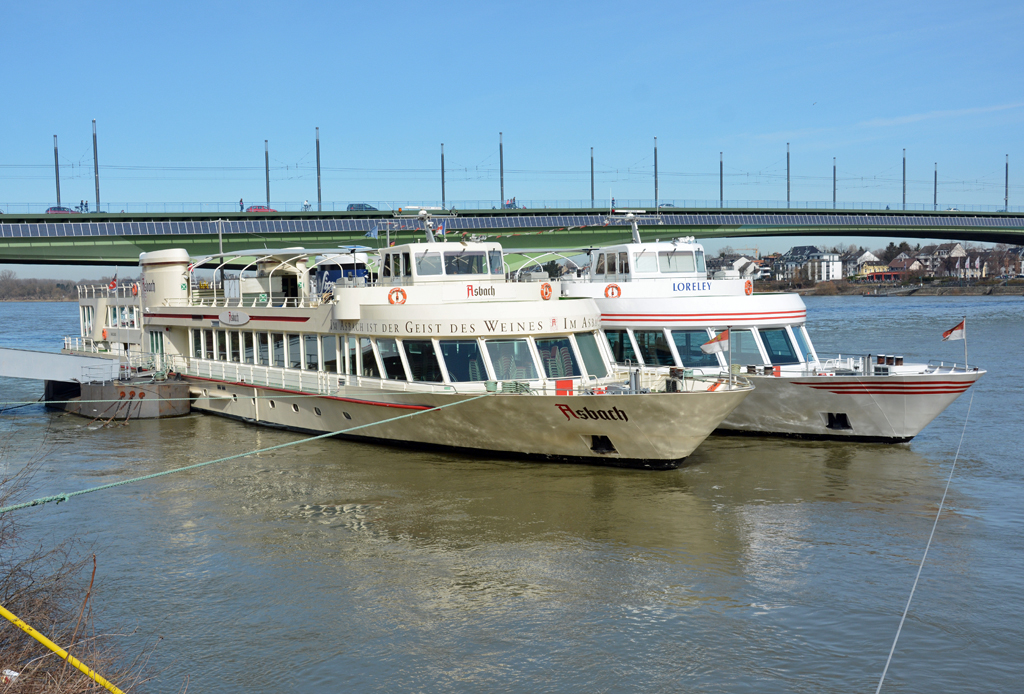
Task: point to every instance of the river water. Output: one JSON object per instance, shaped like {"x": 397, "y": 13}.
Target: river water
{"x": 762, "y": 566}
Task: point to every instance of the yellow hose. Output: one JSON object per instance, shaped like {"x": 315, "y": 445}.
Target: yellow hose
{"x": 27, "y": 628}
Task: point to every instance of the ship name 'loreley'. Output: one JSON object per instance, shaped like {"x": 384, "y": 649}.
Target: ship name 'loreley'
{"x": 586, "y": 413}
{"x": 691, "y": 286}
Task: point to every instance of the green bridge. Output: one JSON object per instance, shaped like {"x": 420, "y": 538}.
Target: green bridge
{"x": 98, "y": 238}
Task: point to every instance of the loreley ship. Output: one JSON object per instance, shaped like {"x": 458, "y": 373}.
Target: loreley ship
{"x": 327, "y": 340}
{"x": 658, "y": 307}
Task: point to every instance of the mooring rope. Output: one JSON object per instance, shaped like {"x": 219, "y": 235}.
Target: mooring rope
{"x": 57, "y": 498}
{"x": 926, "y": 547}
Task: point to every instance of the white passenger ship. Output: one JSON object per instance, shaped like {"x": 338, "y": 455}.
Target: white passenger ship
{"x": 431, "y": 324}
{"x": 658, "y": 307}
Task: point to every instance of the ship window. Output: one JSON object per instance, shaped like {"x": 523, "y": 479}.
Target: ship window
{"x": 780, "y": 349}
{"x": 688, "y": 344}
{"x": 388, "y": 349}
{"x": 352, "y": 356}
{"x": 623, "y": 263}
{"x": 312, "y": 355}
{"x": 463, "y": 360}
{"x": 368, "y": 360}
{"x": 592, "y": 360}
{"x": 277, "y": 348}
{"x": 428, "y": 263}
{"x": 236, "y": 353}
{"x": 621, "y": 347}
{"x": 422, "y": 360}
{"x": 465, "y": 263}
{"x": 804, "y": 343}
{"x": 386, "y": 269}
{"x": 700, "y": 261}
{"x": 222, "y": 345}
{"x": 264, "y": 344}
{"x": 653, "y": 347}
{"x": 610, "y": 260}
{"x": 497, "y": 263}
{"x": 406, "y": 265}
{"x": 511, "y": 360}
{"x": 744, "y": 347}
{"x": 645, "y": 261}
{"x": 671, "y": 262}
{"x": 208, "y": 344}
{"x": 294, "y": 352}
{"x": 330, "y": 354}
{"x": 599, "y": 269}
{"x": 249, "y": 348}
{"x": 197, "y": 343}
{"x": 557, "y": 358}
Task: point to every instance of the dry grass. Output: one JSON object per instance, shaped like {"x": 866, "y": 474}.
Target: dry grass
{"x": 51, "y": 588}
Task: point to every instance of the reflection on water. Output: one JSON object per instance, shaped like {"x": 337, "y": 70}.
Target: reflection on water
{"x": 764, "y": 565}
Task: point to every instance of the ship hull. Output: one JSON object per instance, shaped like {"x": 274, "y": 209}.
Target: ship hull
{"x": 892, "y": 409}
{"x": 648, "y": 431}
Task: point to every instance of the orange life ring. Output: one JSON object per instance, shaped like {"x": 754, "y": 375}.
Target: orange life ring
{"x": 612, "y": 291}
{"x": 545, "y": 291}
{"x": 397, "y": 295}
{"x": 135, "y": 290}
{"x": 748, "y": 287}
{"x": 104, "y": 333}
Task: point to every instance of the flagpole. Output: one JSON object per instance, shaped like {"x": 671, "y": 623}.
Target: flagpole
{"x": 728, "y": 331}
{"x": 965, "y": 343}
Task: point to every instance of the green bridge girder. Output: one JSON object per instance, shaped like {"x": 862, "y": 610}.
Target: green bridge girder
{"x": 119, "y": 238}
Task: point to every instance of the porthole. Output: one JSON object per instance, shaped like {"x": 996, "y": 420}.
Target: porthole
{"x": 272, "y": 405}
{"x": 206, "y": 393}
{"x": 317, "y": 410}
{"x": 295, "y": 408}
{"x": 347, "y": 415}
{"x": 254, "y": 401}
{"x": 234, "y": 397}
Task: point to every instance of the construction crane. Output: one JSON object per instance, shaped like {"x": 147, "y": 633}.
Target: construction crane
{"x": 757, "y": 255}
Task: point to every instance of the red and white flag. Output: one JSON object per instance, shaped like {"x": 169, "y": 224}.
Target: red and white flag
{"x": 718, "y": 343}
{"x": 956, "y": 332}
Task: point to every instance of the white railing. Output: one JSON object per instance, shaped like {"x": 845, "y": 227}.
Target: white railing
{"x": 327, "y": 383}
{"x": 260, "y": 301}
{"x": 80, "y": 344}
{"x": 103, "y": 291}
{"x": 320, "y": 382}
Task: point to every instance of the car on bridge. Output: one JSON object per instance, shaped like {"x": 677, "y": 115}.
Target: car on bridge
{"x": 361, "y": 207}
{"x": 59, "y": 209}
{"x": 259, "y": 208}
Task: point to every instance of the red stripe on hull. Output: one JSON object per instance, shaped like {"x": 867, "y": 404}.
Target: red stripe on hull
{"x": 899, "y": 384}
{"x": 705, "y": 316}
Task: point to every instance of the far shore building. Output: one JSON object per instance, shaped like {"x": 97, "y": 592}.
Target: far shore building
{"x": 853, "y": 263}
{"x": 938, "y": 260}
{"x": 909, "y": 266}
{"x": 824, "y": 267}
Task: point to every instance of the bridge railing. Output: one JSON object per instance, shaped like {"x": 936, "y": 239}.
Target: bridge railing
{"x": 535, "y": 204}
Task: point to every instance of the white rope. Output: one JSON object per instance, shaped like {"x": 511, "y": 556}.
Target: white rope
{"x": 926, "y": 547}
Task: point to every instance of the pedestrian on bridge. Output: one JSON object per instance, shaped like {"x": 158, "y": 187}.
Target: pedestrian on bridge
{"x": 241, "y": 205}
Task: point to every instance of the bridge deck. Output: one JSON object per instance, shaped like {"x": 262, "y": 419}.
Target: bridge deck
{"x": 114, "y": 238}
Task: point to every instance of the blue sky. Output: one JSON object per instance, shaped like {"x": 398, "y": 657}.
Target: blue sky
{"x": 184, "y": 95}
